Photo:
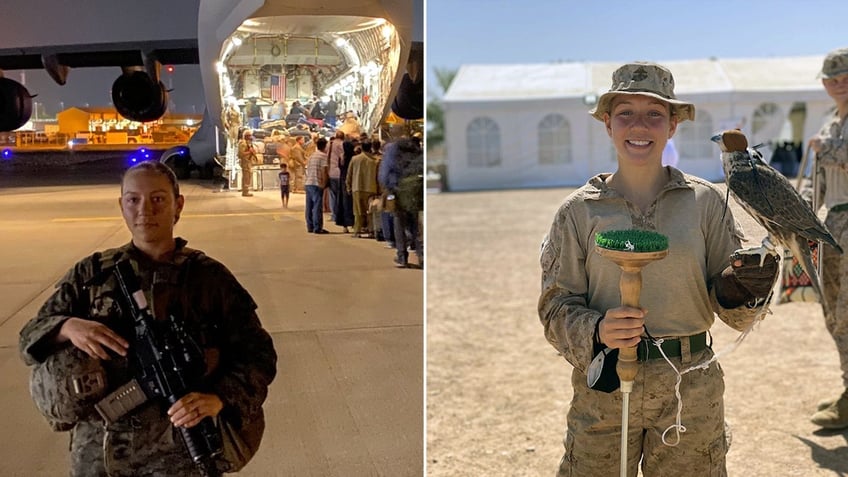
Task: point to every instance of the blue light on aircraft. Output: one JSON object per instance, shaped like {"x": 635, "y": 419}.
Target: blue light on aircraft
{"x": 7, "y": 153}
{"x": 142, "y": 154}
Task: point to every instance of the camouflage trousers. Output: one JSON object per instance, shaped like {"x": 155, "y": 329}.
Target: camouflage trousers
{"x": 141, "y": 445}
{"x": 593, "y": 438}
{"x": 834, "y": 278}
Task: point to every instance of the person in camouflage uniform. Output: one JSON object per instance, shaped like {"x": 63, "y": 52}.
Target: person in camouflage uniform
{"x": 83, "y": 313}
{"x": 831, "y": 147}
{"x": 297, "y": 163}
{"x": 580, "y": 303}
{"x": 247, "y": 159}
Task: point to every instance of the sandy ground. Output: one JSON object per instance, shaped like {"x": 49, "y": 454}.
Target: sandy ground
{"x": 498, "y": 394}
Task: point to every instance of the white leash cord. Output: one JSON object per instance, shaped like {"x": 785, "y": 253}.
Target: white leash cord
{"x": 677, "y": 426}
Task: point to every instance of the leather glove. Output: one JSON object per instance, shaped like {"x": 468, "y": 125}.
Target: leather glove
{"x": 745, "y": 281}
{"x": 757, "y": 280}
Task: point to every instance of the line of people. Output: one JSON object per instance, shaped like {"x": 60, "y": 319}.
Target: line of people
{"x": 369, "y": 194}
{"x": 366, "y": 193}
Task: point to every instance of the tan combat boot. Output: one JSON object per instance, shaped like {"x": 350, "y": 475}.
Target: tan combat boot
{"x": 826, "y": 403}
{"x": 834, "y": 415}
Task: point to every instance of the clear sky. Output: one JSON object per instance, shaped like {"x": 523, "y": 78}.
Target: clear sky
{"x": 540, "y": 31}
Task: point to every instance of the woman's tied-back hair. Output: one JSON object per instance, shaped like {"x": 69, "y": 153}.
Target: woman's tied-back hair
{"x": 155, "y": 167}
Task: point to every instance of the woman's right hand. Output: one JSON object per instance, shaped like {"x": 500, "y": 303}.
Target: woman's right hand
{"x": 621, "y": 327}
{"x": 92, "y": 337}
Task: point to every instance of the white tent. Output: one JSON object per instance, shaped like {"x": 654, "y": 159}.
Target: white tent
{"x": 514, "y": 126}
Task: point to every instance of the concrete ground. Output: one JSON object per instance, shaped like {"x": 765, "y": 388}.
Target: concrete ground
{"x": 347, "y": 325}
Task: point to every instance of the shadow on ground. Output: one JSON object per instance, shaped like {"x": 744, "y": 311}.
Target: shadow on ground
{"x": 836, "y": 459}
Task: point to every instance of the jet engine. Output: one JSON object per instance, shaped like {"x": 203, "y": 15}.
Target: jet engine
{"x": 409, "y": 100}
{"x": 139, "y": 97}
{"x": 15, "y": 105}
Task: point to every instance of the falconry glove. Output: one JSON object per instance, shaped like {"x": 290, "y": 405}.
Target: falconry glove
{"x": 755, "y": 278}
{"x": 758, "y": 278}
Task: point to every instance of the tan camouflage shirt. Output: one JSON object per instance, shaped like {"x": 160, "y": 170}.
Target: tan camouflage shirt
{"x": 578, "y": 285}
{"x": 833, "y": 161}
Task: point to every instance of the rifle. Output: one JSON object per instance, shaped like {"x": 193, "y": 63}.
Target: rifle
{"x": 169, "y": 366}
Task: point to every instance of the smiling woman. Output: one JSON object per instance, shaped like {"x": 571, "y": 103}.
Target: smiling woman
{"x": 86, "y": 334}
{"x": 584, "y": 317}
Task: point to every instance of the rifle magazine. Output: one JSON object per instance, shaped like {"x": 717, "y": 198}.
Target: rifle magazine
{"x": 121, "y": 401}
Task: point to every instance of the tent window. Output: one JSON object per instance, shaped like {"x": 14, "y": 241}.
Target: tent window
{"x": 554, "y": 140}
{"x": 767, "y": 124}
{"x": 484, "y": 143}
{"x": 692, "y": 137}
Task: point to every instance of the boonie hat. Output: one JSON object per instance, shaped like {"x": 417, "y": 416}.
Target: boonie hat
{"x": 835, "y": 64}
{"x": 648, "y": 79}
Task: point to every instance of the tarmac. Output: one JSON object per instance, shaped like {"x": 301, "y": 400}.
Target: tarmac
{"x": 347, "y": 325}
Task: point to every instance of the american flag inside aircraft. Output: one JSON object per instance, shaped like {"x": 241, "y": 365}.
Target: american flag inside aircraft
{"x": 278, "y": 88}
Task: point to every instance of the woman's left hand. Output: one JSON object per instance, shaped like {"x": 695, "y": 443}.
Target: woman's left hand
{"x": 190, "y": 409}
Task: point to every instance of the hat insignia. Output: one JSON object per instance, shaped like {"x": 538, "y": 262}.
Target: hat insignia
{"x": 640, "y": 74}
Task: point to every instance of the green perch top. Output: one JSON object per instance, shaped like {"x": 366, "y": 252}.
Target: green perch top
{"x": 632, "y": 240}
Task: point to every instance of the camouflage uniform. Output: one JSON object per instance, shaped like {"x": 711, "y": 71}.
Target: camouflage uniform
{"x": 247, "y": 157}
{"x": 297, "y": 166}
{"x": 578, "y": 286}
{"x": 593, "y": 437}
{"x": 832, "y": 161}
{"x": 218, "y": 312}
{"x": 231, "y": 118}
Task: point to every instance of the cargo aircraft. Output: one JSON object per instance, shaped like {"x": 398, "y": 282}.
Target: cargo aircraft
{"x": 367, "y": 53}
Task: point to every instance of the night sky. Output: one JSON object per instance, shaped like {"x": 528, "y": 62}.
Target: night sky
{"x": 93, "y": 87}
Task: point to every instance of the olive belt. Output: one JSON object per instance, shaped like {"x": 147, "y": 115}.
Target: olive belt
{"x": 839, "y": 208}
{"x": 671, "y": 347}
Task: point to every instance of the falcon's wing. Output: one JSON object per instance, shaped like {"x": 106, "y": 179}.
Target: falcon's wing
{"x": 771, "y": 196}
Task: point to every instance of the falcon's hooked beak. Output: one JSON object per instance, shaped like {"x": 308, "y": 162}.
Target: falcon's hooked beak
{"x": 731, "y": 140}
{"x": 718, "y": 139}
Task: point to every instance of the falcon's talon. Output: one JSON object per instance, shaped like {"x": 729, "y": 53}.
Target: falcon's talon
{"x": 762, "y": 252}
{"x": 768, "y": 245}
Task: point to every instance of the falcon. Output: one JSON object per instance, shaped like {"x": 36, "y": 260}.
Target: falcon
{"x": 771, "y": 200}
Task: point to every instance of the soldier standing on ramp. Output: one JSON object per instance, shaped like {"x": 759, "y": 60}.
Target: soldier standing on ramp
{"x": 82, "y": 343}
{"x": 247, "y": 158}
